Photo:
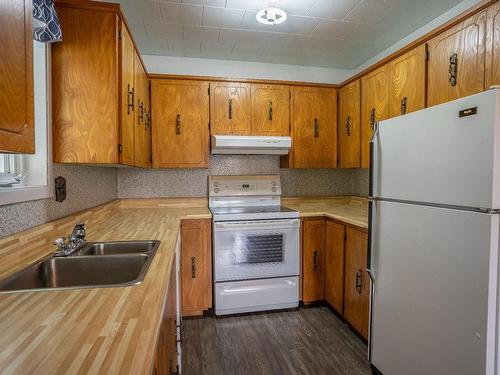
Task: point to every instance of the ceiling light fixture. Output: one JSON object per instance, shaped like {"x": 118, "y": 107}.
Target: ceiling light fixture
{"x": 271, "y": 16}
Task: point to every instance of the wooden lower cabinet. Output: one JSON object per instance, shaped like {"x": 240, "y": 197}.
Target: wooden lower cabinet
{"x": 166, "y": 349}
{"x": 313, "y": 260}
{"x": 334, "y": 265}
{"x": 357, "y": 282}
{"x": 196, "y": 266}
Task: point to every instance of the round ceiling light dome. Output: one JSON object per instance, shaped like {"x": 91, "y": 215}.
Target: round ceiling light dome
{"x": 271, "y": 16}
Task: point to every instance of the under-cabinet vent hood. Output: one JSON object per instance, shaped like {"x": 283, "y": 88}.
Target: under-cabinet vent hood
{"x": 246, "y": 145}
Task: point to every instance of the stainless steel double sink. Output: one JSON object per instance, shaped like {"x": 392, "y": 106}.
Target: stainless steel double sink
{"x": 96, "y": 265}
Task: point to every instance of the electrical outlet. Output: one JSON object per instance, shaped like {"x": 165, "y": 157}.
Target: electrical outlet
{"x": 60, "y": 186}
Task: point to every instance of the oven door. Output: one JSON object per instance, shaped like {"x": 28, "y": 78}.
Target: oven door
{"x": 256, "y": 249}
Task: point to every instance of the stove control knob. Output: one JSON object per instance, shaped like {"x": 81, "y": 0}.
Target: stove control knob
{"x": 274, "y": 189}
{"x": 216, "y": 190}
{"x": 216, "y": 184}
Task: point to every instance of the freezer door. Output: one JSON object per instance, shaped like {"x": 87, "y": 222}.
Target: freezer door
{"x": 436, "y": 156}
{"x": 434, "y": 292}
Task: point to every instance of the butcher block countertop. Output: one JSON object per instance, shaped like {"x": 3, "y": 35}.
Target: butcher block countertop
{"x": 109, "y": 330}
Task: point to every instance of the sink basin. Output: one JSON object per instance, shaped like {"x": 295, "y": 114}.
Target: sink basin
{"x": 120, "y": 247}
{"x": 116, "y": 264}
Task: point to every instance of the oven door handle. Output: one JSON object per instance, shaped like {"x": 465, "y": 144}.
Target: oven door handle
{"x": 264, "y": 224}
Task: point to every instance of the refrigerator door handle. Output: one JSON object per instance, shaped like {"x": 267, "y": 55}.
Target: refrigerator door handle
{"x": 372, "y": 153}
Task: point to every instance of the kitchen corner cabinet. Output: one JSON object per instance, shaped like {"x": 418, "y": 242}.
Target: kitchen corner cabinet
{"x": 17, "y": 127}
{"x": 313, "y": 260}
{"x": 230, "y": 108}
{"x": 349, "y": 131}
{"x": 165, "y": 360}
{"x": 456, "y": 63}
{"x": 374, "y": 107}
{"x": 142, "y": 133}
{"x": 270, "y": 110}
{"x": 94, "y": 87}
{"x": 492, "y": 66}
{"x": 407, "y": 82}
{"x": 196, "y": 266}
{"x": 357, "y": 282}
{"x": 180, "y": 123}
{"x": 334, "y": 265}
{"x": 314, "y": 128}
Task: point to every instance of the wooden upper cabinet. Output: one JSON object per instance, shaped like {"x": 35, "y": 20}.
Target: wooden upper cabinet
{"x": 128, "y": 62}
{"x": 180, "y": 113}
{"x": 142, "y": 133}
{"x": 230, "y": 108}
{"x": 17, "y": 127}
{"x": 334, "y": 265}
{"x": 357, "y": 282}
{"x": 457, "y": 60}
{"x": 314, "y": 128}
{"x": 313, "y": 260}
{"x": 407, "y": 82}
{"x": 492, "y": 67}
{"x": 85, "y": 97}
{"x": 270, "y": 110}
{"x": 374, "y": 107}
{"x": 349, "y": 127}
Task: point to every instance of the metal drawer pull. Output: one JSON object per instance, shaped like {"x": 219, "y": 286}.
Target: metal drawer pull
{"x": 372, "y": 119}
{"x": 453, "y": 70}
{"x": 359, "y": 280}
{"x": 270, "y": 110}
{"x": 130, "y": 99}
{"x": 178, "y": 124}
{"x": 193, "y": 267}
{"x": 315, "y": 260}
{"x": 404, "y": 104}
{"x": 348, "y": 126}
{"x": 230, "y": 109}
{"x": 316, "y": 128}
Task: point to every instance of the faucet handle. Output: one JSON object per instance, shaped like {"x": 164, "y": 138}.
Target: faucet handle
{"x": 60, "y": 241}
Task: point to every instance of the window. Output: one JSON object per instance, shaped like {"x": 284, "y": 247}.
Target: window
{"x": 26, "y": 177}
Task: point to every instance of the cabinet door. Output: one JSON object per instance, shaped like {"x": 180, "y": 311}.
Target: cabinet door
{"x": 142, "y": 134}
{"x": 313, "y": 259}
{"x": 349, "y": 130}
{"x": 314, "y": 127}
{"x": 374, "y": 108}
{"x": 456, "y": 61}
{"x": 127, "y": 98}
{"x": 85, "y": 97}
{"x": 407, "y": 82}
{"x": 230, "y": 108}
{"x": 17, "y": 128}
{"x": 180, "y": 123}
{"x": 492, "y": 67}
{"x": 196, "y": 269}
{"x": 270, "y": 110}
{"x": 357, "y": 283}
{"x": 334, "y": 265}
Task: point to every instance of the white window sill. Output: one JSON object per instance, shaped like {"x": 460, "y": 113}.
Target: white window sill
{"x": 22, "y": 193}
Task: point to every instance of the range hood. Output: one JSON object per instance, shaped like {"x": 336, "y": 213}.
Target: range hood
{"x": 250, "y": 145}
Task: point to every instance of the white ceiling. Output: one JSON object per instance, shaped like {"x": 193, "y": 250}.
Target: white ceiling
{"x": 328, "y": 33}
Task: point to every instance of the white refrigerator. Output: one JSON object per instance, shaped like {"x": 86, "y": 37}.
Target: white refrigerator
{"x": 434, "y": 240}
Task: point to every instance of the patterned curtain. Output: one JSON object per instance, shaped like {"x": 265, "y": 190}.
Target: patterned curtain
{"x": 46, "y": 27}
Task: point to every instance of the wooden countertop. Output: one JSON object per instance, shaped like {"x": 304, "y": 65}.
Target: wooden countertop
{"x": 109, "y": 330}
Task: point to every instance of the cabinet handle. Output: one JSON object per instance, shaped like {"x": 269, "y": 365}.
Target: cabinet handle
{"x": 130, "y": 99}
{"x": 359, "y": 281}
{"x": 178, "y": 124}
{"x": 193, "y": 267}
{"x": 453, "y": 69}
{"x": 372, "y": 119}
{"x": 315, "y": 261}
{"x": 230, "y": 109}
{"x": 140, "y": 117}
{"x": 270, "y": 110}
{"x": 404, "y": 103}
{"x": 147, "y": 121}
{"x": 316, "y": 128}
{"x": 348, "y": 126}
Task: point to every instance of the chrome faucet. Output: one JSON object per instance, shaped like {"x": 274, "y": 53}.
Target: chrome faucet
{"x": 76, "y": 241}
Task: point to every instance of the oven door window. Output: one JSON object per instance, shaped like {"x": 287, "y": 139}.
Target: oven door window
{"x": 257, "y": 248}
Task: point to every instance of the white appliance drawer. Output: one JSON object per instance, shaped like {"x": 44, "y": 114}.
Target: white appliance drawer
{"x": 256, "y": 249}
{"x": 256, "y": 295}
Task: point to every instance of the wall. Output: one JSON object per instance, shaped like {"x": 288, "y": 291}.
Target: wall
{"x": 242, "y": 69}
{"x": 86, "y": 187}
{"x": 140, "y": 183}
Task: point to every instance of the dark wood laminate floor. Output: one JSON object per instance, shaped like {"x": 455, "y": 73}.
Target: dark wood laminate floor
{"x": 306, "y": 341}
